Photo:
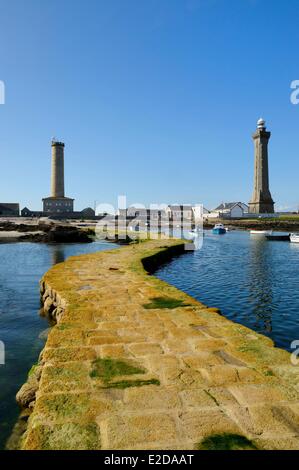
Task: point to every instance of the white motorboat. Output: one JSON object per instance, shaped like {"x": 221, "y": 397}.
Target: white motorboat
{"x": 261, "y": 232}
{"x": 294, "y": 238}
{"x": 219, "y": 229}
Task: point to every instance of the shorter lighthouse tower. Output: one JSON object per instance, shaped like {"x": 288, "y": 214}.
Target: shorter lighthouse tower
{"x": 57, "y": 203}
{"x": 261, "y": 201}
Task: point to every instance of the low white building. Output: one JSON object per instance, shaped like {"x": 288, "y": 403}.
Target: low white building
{"x": 180, "y": 213}
{"x": 230, "y": 210}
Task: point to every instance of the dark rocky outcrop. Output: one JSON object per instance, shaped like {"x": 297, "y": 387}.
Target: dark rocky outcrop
{"x": 25, "y": 398}
{"x": 8, "y": 226}
{"x": 26, "y": 395}
{"x": 61, "y": 234}
{"x": 58, "y": 234}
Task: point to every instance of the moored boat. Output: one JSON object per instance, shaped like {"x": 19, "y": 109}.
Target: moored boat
{"x": 294, "y": 237}
{"x": 278, "y": 238}
{"x": 219, "y": 229}
{"x": 261, "y": 232}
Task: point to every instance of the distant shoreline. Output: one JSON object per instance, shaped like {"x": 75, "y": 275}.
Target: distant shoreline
{"x": 42, "y": 232}
{"x": 279, "y": 225}
{"x": 28, "y": 230}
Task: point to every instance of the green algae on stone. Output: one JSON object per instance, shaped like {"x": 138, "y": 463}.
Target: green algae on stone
{"x": 67, "y": 436}
{"x": 226, "y": 441}
{"x": 165, "y": 302}
{"x": 269, "y": 373}
{"x": 72, "y": 376}
{"x": 68, "y": 354}
{"x": 62, "y": 406}
{"x": 33, "y": 370}
{"x": 71, "y": 371}
{"x": 64, "y": 326}
{"x": 108, "y": 368}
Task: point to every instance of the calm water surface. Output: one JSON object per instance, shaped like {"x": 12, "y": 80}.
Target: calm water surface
{"x": 21, "y": 267}
{"x": 253, "y": 281}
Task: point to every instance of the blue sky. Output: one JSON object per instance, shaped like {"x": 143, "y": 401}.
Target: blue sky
{"x": 155, "y": 99}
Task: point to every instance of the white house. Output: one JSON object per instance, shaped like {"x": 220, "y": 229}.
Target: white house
{"x": 231, "y": 210}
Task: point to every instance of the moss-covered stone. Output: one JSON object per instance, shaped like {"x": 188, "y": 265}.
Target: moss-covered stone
{"x": 73, "y": 376}
{"x": 33, "y": 370}
{"x": 68, "y": 436}
{"x": 63, "y": 407}
{"x": 165, "y": 302}
{"x": 107, "y": 368}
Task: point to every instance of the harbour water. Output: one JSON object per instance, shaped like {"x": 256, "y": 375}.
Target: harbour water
{"x": 22, "y": 265}
{"x": 253, "y": 281}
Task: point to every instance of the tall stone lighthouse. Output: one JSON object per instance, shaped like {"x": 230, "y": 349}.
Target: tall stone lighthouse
{"x": 57, "y": 203}
{"x": 261, "y": 202}
{"x": 57, "y": 179}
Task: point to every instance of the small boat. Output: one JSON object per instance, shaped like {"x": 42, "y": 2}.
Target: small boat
{"x": 261, "y": 232}
{"x": 278, "y": 238}
{"x": 219, "y": 229}
{"x": 294, "y": 237}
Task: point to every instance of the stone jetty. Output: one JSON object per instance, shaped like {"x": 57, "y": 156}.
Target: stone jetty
{"x": 134, "y": 363}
